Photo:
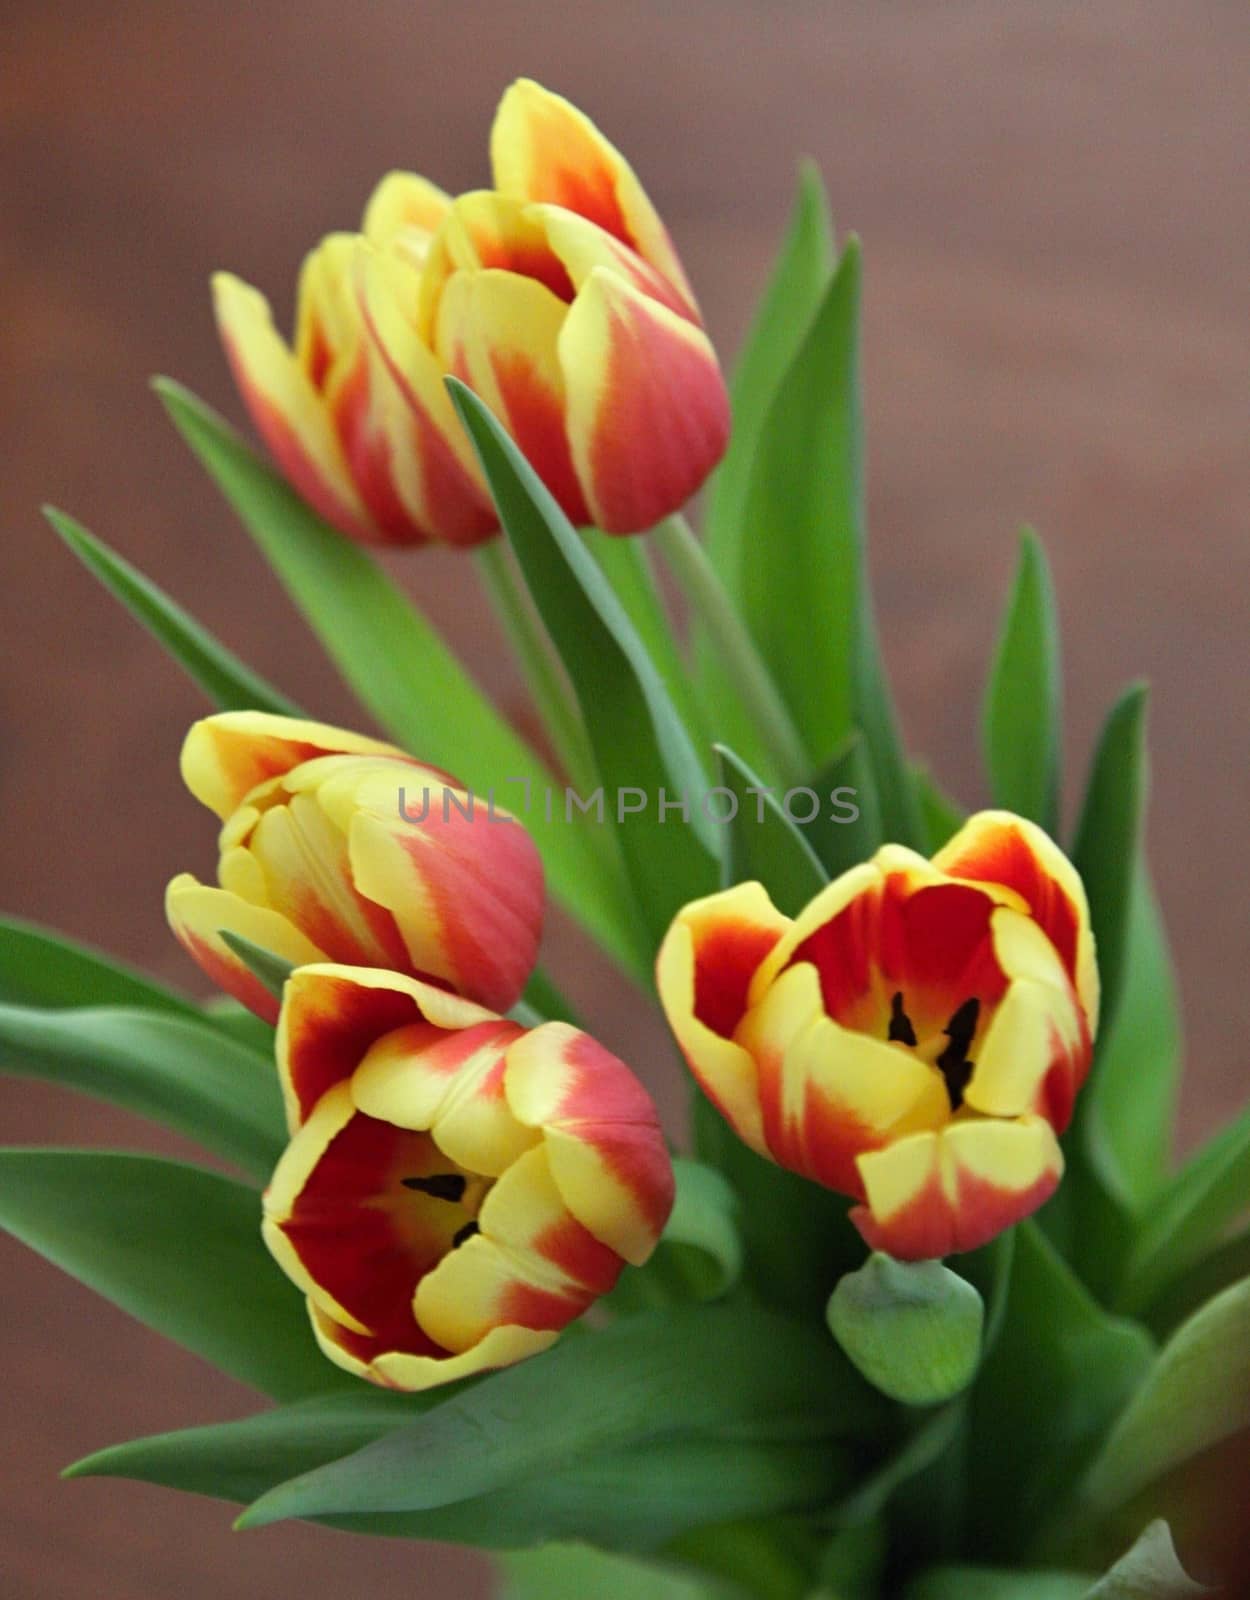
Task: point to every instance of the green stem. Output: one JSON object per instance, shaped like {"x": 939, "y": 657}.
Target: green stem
{"x": 539, "y": 665}
{"x": 743, "y": 664}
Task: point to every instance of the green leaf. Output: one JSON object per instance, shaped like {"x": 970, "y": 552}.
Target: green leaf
{"x": 174, "y": 1246}
{"x": 997, "y": 1583}
{"x": 638, "y": 739}
{"x": 42, "y": 968}
{"x": 700, "y": 1251}
{"x": 1060, "y": 1372}
{"x": 1196, "y": 1395}
{"x": 1226, "y": 1264}
{"x": 1109, "y": 835}
{"x": 182, "y": 1073}
{"x": 805, "y": 588}
{"x": 625, "y": 564}
{"x": 756, "y": 1374}
{"x": 1022, "y": 731}
{"x": 791, "y": 298}
{"x": 851, "y": 830}
{"x": 1151, "y": 1570}
{"x": 761, "y": 842}
{"x": 268, "y": 969}
{"x": 228, "y": 682}
{"x": 798, "y": 282}
{"x": 1131, "y": 1098}
{"x": 1189, "y": 1214}
{"x": 240, "y": 1024}
{"x": 401, "y": 670}
{"x": 576, "y": 1572}
{"x": 912, "y": 1328}
{"x": 920, "y": 1451}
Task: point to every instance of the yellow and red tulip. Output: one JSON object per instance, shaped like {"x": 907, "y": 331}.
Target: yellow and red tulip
{"x": 915, "y": 1038}
{"x": 556, "y": 295}
{"x": 457, "y": 1188}
{"x": 318, "y": 862}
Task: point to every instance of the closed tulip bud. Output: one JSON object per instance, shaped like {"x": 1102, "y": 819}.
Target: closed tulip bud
{"x": 457, "y": 1188}
{"x": 338, "y": 847}
{"x": 915, "y": 1038}
{"x": 556, "y": 295}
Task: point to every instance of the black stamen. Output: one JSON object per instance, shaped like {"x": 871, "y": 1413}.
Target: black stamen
{"x": 953, "y": 1063}
{"x": 467, "y": 1232}
{"x": 440, "y": 1185}
{"x": 901, "y": 1030}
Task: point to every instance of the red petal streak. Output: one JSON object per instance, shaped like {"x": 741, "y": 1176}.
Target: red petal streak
{"x": 232, "y": 976}
{"x": 930, "y": 1225}
{"x": 579, "y": 1255}
{"x": 300, "y": 469}
{"x": 330, "y": 1028}
{"x": 726, "y": 956}
{"x": 1005, "y": 857}
{"x": 822, "y": 1141}
{"x": 369, "y": 455}
{"x": 528, "y": 1307}
{"x": 535, "y": 418}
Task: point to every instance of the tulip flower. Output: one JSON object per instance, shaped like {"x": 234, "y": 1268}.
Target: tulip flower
{"x": 457, "y": 1188}
{"x": 915, "y": 1038}
{"x": 556, "y": 295}
{"x": 336, "y": 847}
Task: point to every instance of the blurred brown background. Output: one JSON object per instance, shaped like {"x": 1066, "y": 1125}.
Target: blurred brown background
{"x": 1054, "y": 205}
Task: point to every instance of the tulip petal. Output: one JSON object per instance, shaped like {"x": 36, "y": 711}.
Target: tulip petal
{"x": 396, "y": 1369}
{"x": 332, "y": 1014}
{"x": 432, "y": 459}
{"x": 647, "y": 413}
{"x": 703, "y": 974}
{"x": 465, "y": 890}
{"x": 197, "y": 913}
{"x": 1000, "y": 848}
{"x": 937, "y": 1194}
{"x": 579, "y": 246}
{"x": 451, "y": 1083}
{"x": 226, "y": 756}
{"x": 828, "y": 1094}
{"x": 544, "y": 149}
{"x": 290, "y": 414}
{"x": 403, "y": 203}
{"x": 509, "y": 1272}
{"x": 1036, "y": 1051}
{"x": 500, "y": 333}
{"x": 602, "y": 1135}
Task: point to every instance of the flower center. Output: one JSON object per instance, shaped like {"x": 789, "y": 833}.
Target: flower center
{"x": 952, "y": 1060}
{"x": 453, "y": 1188}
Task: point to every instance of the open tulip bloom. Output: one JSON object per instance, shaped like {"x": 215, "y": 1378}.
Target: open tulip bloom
{"x": 925, "y": 1308}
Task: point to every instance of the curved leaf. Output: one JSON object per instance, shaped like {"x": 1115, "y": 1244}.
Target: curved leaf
{"x": 176, "y": 1247}
{"x": 41, "y": 968}
{"x": 762, "y": 842}
{"x": 186, "y": 1074}
{"x": 692, "y": 1372}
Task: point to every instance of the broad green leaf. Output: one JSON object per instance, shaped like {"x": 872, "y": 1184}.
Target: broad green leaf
{"x": 639, "y": 741}
{"x": 1190, "y": 1214}
{"x": 1131, "y": 1098}
{"x": 400, "y": 669}
{"x": 1108, "y": 838}
{"x": 913, "y": 1328}
{"x": 235, "y": 1020}
{"x": 921, "y": 1450}
{"x": 761, "y": 841}
{"x": 772, "y": 1559}
{"x": 805, "y": 587}
{"x": 576, "y": 1572}
{"x": 1021, "y": 729}
{"x": 942, "y": 816}
{"x": 42, "y": 968}
{"x": 626, "y": 565}
{"x": 798, "y": 282}
{"x": 997, "y": 1583}
{"x": 820, "y": 1243}
{"x": 634, "y": 1500}
{"x": 790, "y": 300}
{"x": 268, "y": 969}
{"x": 1151, "y": 1570}
{"x": 1060, "y": 1372}
{"x": 1226, "y": 1264}
{"x": 698, "y": 1372}
{"x": 228, "y": 682}
{"x": 177, "y": 1248}
{"x": 185, "y": 1074}
{"x": 850, "y": 829}
{"x": 1196, "y": 1395}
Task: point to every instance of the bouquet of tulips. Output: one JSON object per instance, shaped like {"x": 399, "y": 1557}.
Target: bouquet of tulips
{"x": 923, "y": 1307}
